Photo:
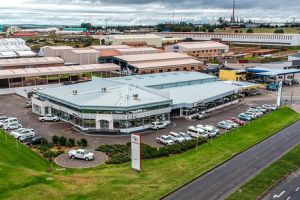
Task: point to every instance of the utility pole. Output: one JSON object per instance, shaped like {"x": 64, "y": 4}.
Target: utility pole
{"x": 233, "y": 12}
{"x": 105, "y": 25}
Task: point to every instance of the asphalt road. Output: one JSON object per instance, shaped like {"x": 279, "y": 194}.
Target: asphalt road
{"x": 225, "y": 179}
{"x": 288, "y": 189}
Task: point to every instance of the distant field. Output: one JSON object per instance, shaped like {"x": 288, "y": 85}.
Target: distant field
{"x": 289, "y": 163}
{"x": 264, "y": 30}
{"x": 23, "y": 174}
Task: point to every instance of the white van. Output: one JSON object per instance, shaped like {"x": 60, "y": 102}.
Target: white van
{"x": 197, "y": 132}
{"x": 8, "y": 121}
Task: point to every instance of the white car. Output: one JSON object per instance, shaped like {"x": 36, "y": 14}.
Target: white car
{"x": 12, "y": 126}
{"x": 225, "y": 125}
{"x": 158, "y": 125}
{"x": 251, "y": 114}
{"x": 197, "y": 132}
{"x": 49, "y": 118}
{"x": 7, "y": 121}
{"x": 14, "y": 132}
{"x": 185, "y": 136}
{"x": 81, "y": 154}
{"x": 26, "y": 135}
{"x": 176, "y": 137}
{"x": 211, "y": 130}
{"x": 234, "y": 125}
{"x": 164, "y": 139}
{"x": 18, "y": 134}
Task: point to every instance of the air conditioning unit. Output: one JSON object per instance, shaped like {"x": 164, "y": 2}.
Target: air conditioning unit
{"x": 135, "y": 96}
{"x": 103, "y": 89}
{"x": 75, "y": 92}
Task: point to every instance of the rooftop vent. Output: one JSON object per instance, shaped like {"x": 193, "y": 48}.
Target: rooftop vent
{"x": 75, "y": 92}
{"x": 103, "y": 89}
{"x": 135, "y": 96}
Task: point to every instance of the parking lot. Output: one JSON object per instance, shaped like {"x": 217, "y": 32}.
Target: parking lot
{"x": 14, "y": 106}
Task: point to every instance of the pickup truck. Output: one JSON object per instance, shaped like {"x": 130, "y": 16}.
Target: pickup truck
{"x": 49, "y": 118}
{"x": 81, "y": 154}
{"x": 166, "y": 140}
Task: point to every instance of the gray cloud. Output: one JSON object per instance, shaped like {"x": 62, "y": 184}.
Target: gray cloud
{"x": 149, "y": 11}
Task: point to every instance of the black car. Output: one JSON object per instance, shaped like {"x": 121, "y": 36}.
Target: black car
{"x": 34, "y": 141}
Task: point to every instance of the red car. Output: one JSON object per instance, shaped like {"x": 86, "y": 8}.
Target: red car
{"x": 238, "y": 121}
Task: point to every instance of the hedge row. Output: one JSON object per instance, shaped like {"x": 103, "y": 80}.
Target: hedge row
{"x": 122, "y": 153}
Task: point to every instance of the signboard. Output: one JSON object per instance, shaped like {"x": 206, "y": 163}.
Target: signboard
{"x": 279, "y": 95}
{"x": 136, "y": 155}
{"x": 140, "y": 115}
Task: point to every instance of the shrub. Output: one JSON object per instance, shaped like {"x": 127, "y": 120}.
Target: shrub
{"x": 55, "y": 139}
{"x": 249, "y": 30}
{"x": 82, "y": 142}
{"x": 44, "y": 141}
{"x": 70, "y": 142}
{"x": 62, "y": 141}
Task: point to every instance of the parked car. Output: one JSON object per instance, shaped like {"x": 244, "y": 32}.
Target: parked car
{"x": 3, "y": 118}
{"x": 18, "y": 134}
{"x": 28, "y": 104}
{"x": 14, "y": 132}
{"x": 211, "y": 130}
{"x": 26, "y": 135}
{"x": 225, "y": 125}
{"x": 197, "y": 132}
{"x": 33, "y": 141}
{"x": 234, "y": 125}
{"x": 185, "y": 136}
{"x": 176, "y": 137}
{"x": 158, "y": 125}
{"x": 251, "y": 114}
{"x": 81, "y": 154}
{"x": 261, "y": 109}
{"x": 164, "y": 139}
{"x": 202, "y": 115}
{"x": 244, "y": 117}
{"x": 49, "y": 118}
{"x": 8, "y": 120}
{"x": 238, "y": 121}
{"x": 255, "y": 112}
{"x": 12, "y": 126}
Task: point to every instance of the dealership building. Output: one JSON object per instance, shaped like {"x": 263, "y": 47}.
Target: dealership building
{"x": 131, "y": 103}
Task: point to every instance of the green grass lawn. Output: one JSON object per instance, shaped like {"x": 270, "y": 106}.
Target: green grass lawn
{"x": 289, "y": 163}
{"x": 158, "y": 177}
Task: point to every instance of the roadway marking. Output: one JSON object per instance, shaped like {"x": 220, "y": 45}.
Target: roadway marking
{"x": 277, "y": 196}
{"x": 288, "y": 198}
{"x": 297, "y": 189}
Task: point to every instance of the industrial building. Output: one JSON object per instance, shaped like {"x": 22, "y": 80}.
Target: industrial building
{"x": 229, "y": 74}
{"x": 157, "y": 63}
{"x": 81, "y": 56}
{"x": 129, "y": 104}
{"x": 55, "y": 51}
{"x": 14, "y": 48}
{"x": 206, "y": 49}
{"x": 263, "y": 39}
{"x": 35, "y": 62}
{"x": 12, "y": 78}
{"x": 147, "y": 39}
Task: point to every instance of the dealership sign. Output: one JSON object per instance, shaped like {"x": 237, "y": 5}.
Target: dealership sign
{"x": 136, "y": 152}
{"x": 279, "y": 95}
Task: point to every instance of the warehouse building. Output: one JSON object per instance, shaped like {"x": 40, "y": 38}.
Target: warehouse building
{"x": 157, "y": 63}
{"x": 25, "y": 77}
{"x": 207, "y": 49}
{"x": 139, "y": 40}
{"x": 129, "y": 104}
{"x": 14, "y": 48}
{"x": 18, "y": 63}
{"x": 55, "y": 51}
{"x": 82, "y": 56}
{"x": 263, "y": 39}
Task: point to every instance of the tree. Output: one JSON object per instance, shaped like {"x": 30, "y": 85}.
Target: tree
{"x": 62, "y": 141}
{"x": 55, "y": 139}
{"x": 70, "y": 142}
{"x": 279, "y": 31}
{"x": 202, "y": 29}
{"x": 249, "y": 31}
{"x": 211, "y": 29}
{"x": 82, "y": 142}
{"x": 88, "y": 26}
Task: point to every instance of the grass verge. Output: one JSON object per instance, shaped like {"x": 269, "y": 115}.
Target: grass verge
{"x": 269, "y": 177}
{"x": 158, "y": 176}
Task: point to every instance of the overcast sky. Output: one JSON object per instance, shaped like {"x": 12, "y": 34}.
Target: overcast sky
{"x": 129, "y": 12}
